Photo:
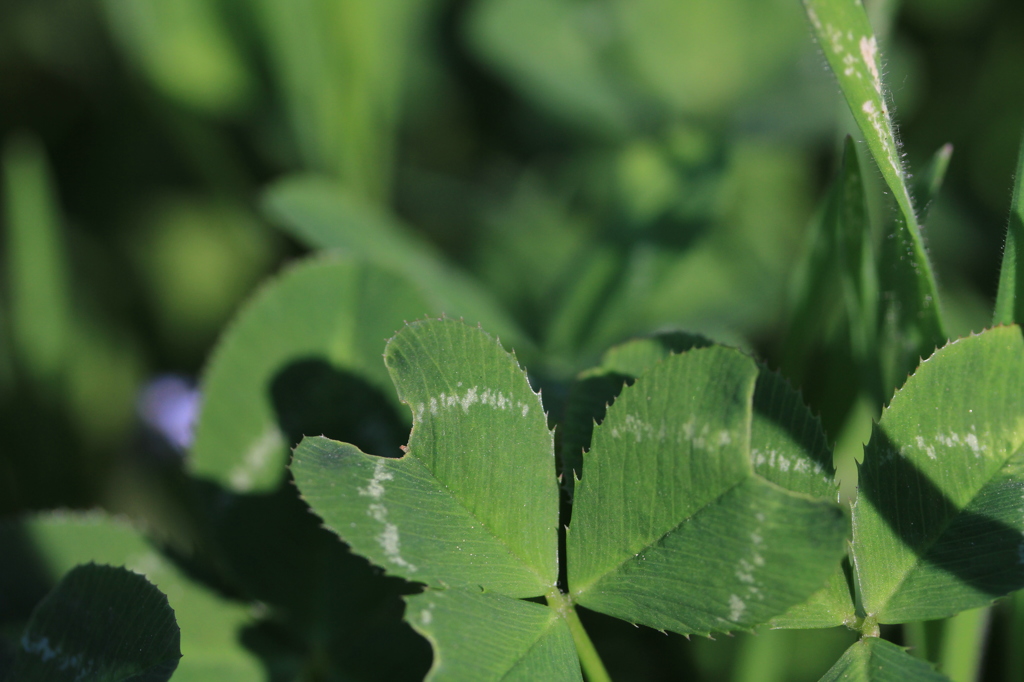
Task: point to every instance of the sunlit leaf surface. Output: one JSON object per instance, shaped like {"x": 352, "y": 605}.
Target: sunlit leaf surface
{"x": 486, "y": 636}
{"x": 676, "y": 524}
{"x": 474, "y": 501}
{"x": 939, "y": 517}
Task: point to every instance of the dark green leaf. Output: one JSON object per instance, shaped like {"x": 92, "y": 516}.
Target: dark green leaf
{"x": 210, "y": 624}
{"x": 102, "y": 624}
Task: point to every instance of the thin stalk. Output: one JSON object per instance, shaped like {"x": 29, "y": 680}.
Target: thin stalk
{"x": 1015, "y": 654}
{"x": 963, "y": 644}
{"x": 590, "y": 661}
{"x": 763, "y": 657}
{"x": 915, "y": 637}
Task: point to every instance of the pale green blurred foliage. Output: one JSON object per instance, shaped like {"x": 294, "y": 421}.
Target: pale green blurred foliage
{"x": 37, "y": 269}
{"x": 196, "y": 259}
{"x": 603, "y": 168}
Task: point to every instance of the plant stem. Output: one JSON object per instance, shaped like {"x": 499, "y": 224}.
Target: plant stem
{"x": 763, "y": 657}
{"x": 963, "y": 644}
{"x": 915, "y": 637}
{"x": 590, "y": 661}
{"x": 1015, "y": 654}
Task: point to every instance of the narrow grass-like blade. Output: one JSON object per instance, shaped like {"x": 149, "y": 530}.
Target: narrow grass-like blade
{"x": 681, "y": 522}
{"x": 185, "y": 49}
{"x": 939, "y": 515}
{"x": 840, "y": 243}
{"x": 928, "y": 183}
{"x": 1010, "y": 295}
{"x": 851, "y": 48}
{"x": 474, "y": 501}
{"x": 100, "y": 623}
{"x": 37, "y": 267}
{"x": 338, "y": 66}
{"x": 857, "y": 259}
{"x": 480, "y": 636}
{"x": 538, "y": 46}
{"x": 876, "y": 660}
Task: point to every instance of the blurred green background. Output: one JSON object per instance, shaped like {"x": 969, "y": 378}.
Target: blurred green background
{"x": 605, "y": 168}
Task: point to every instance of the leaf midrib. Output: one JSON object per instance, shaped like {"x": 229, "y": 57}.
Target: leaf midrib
{"x": 440, "y": 369}
{"x": 411, "y": 456}
{"x": 553, "y": 620}
{"x": 577, "y": 593}
{"x": 919, "y": 556}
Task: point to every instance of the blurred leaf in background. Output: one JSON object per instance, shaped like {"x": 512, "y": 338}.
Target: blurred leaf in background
{"x": 595, "y": 170}
{"x": 186, "y": 49}
{"x": 37, "y": 268}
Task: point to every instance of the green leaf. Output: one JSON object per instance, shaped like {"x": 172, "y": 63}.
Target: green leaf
{"x": 486, "y": 636}
{"x": 787, "y": 445}
{"x": 829, "y": 607}
{"x": 315, "y": 329}
{"x": 185, "y": 50}
{"x": 323, "y": 215}
{"x": 338, "y": 67}
{"x": 938, "y": 520}
{"x": 851, "y": 48}
{"x": 928, "y": 183}
{"x": 594, "y": 389}
{"x": 815, "y": 301}
{"x": 876, "y": 660}
{"x": 210, "y": 624}
{"x": 1010, "y": 296}
{"x": 676, "y": 524}
{"x": 542, "y": 46}
{"x": 857, "y": 260}
{"x": 781, "y": 427}
{"x": 100, "y": 623}
{"x": 36, "y": 268}
{"x": 668, "y": 45}
{"x": 474, "y": 501}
